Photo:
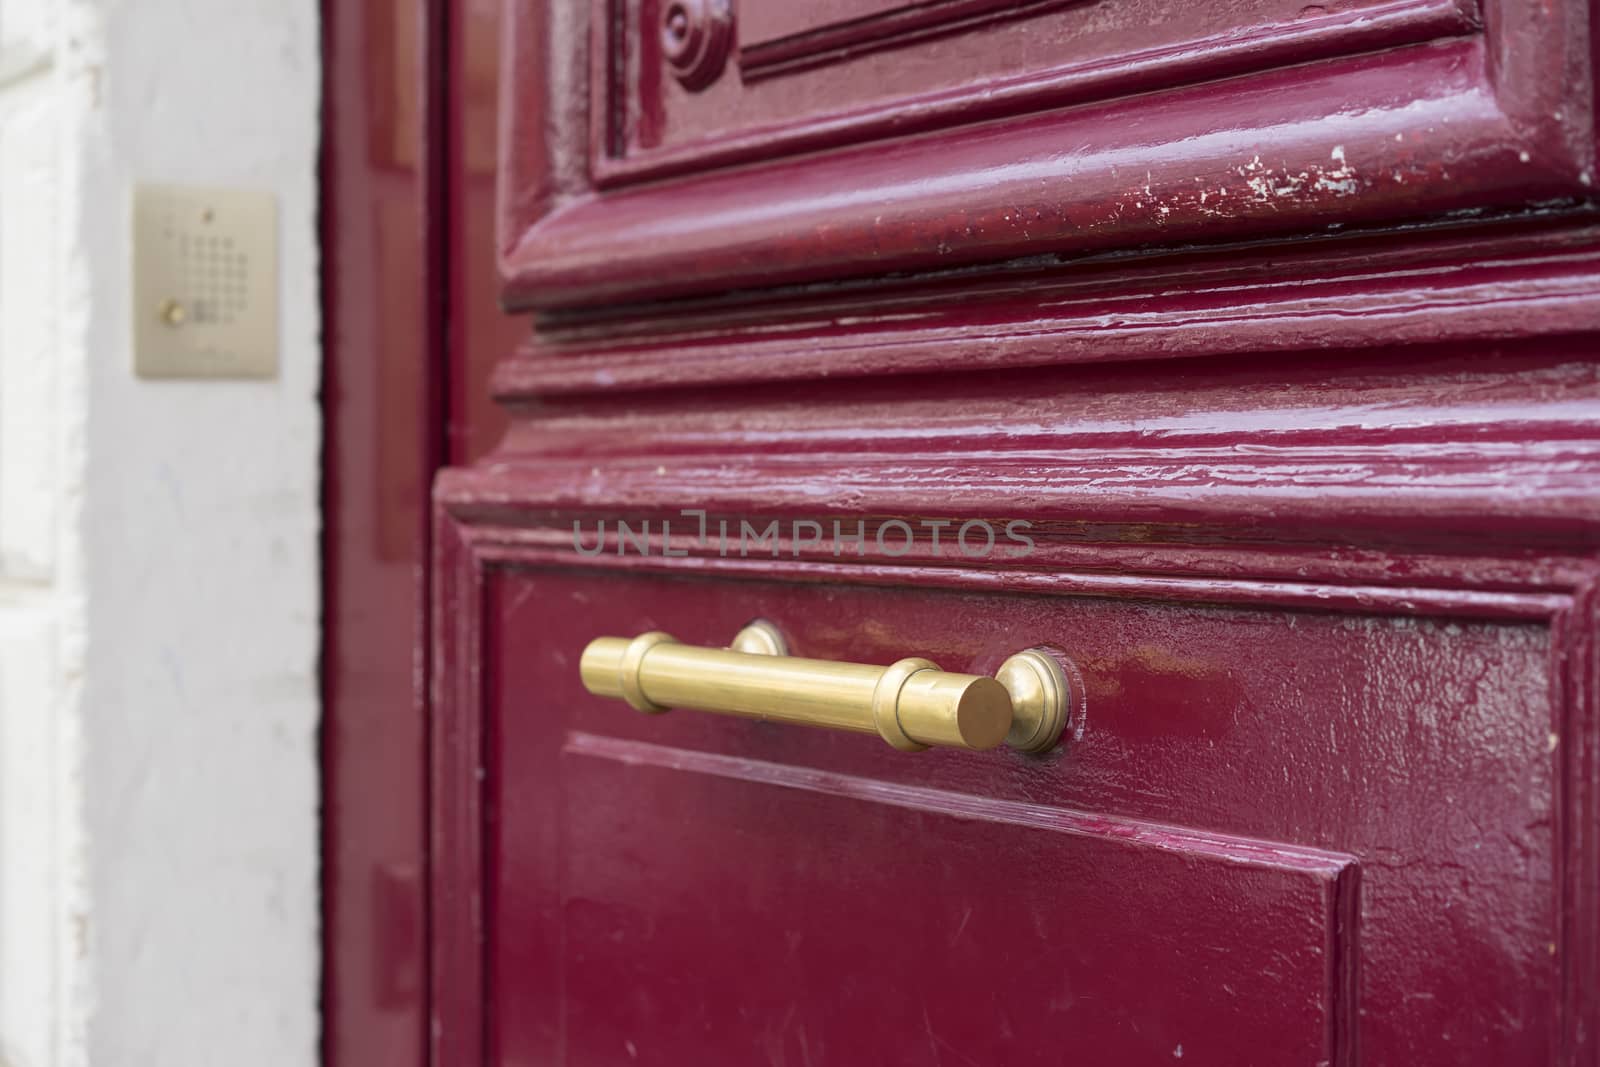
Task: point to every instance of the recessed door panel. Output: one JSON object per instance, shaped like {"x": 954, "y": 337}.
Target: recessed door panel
{"x": 723, "y": 910}
{"x": 1270, "y": 827}
{"x": 807, "y": 142}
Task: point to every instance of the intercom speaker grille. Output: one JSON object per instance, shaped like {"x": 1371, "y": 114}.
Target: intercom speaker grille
{"x": 205, "y": 283}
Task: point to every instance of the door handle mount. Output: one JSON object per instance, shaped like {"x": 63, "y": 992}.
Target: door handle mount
{"x": 911, "y": 704}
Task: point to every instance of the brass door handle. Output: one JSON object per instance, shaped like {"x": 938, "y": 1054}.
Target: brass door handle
{"x": 911, "y": 704}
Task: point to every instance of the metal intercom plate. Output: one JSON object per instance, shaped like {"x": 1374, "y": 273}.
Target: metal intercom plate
{"x": 205, "y": 283}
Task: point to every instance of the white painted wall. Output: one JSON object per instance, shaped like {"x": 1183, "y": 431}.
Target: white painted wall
{"x": 43, "y": 406}
{"x": 158, "y": 556}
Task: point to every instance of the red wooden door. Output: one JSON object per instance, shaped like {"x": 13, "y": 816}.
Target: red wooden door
{"x": 1269, "y": 328}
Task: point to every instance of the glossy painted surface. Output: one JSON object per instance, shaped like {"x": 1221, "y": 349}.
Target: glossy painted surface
{"x": 1253, "y": 120}
{"x": 1340, "y": 610}
{"x": 839, "y": 69}
{"x": 1259, "y": 800}
{"x": 866, "y": 932}
{"x": 480, "y": 332}
{"x": 1329, "y": 579}
{"x": 381, "y": 396}
{"x": 1428, "y": 286}
{"x": 399, "y": 403}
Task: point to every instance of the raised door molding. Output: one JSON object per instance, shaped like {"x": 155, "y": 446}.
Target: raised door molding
{"x": 827, "y": 148}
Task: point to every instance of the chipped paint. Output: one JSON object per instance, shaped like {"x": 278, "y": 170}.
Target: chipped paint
{"x": 1267, "y": 185}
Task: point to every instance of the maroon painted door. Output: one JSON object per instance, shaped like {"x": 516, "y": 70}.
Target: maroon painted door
{"x": 1242, "y": 356}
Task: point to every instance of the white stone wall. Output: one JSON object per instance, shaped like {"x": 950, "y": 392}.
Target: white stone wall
{"x": 158, "y": 556}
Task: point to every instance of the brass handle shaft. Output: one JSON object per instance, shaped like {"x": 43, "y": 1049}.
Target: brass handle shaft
{"x": 911, "y": 704}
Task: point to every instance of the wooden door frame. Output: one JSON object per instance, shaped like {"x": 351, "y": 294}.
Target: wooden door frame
{"x": 383, "y": 443}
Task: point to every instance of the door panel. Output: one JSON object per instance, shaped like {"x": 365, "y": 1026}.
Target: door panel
{"x": 1329, "y": 791}
{"x": 1264, "y": 840}
{"x": 941, "y": 136}
{"x": 740, "y": 906}
{"x": 797, "y": 67}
